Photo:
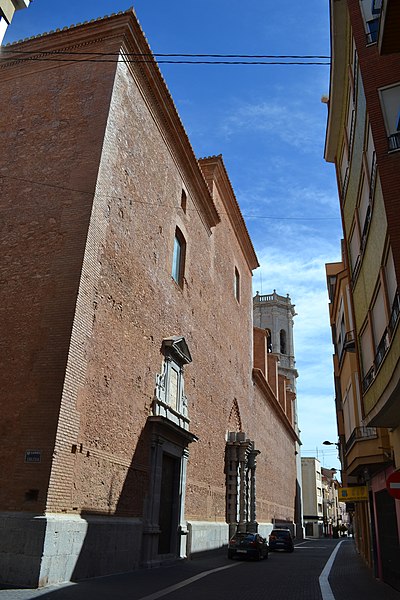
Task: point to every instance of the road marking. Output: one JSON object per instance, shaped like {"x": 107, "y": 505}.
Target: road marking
{"x": 326, "y": 589}
{"x": 311, "y": 547}
{"x": 185, "y": 582}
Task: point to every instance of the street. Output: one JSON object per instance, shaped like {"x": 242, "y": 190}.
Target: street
{"x": 312, "y": 572}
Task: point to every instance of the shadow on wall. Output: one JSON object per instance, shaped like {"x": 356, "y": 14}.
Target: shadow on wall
{"x": 112, "y": 543}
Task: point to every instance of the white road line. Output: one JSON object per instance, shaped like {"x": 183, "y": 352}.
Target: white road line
{"x": 310, "y": 547}
{"x": 182, "y": 584}
{"x": 326, "y": 589}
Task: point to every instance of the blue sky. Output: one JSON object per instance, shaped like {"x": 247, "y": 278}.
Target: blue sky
{"x": 268, "y": 122}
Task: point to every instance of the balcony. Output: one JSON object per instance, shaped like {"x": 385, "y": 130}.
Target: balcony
{"x": 368, "y": 379}
{"x": 361, "y": 434}
{"x": 365, "y": 230}
{"x": 356, "y": 270}
{"x": 367, "y": 447}
{"x": 394, "y": 317}
{"x": 349, "y": 345}
{"x": 384, "y": 344}
{"x": 389, "y": 39}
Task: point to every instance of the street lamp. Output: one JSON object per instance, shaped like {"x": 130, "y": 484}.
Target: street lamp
{"x": 327, "y": 443}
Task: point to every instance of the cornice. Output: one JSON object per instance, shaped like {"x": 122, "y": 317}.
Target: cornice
{"x": 264, "y": 387}
{"x": 165, "y": 111}
{"x": 122, "y": 33}
{"x": 340, "y": 39}
{"x": 214, "y": 170}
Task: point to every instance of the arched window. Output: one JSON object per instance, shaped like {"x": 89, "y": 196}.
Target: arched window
{"x": 283, "y": 341}
{"x": 178, "y": 258}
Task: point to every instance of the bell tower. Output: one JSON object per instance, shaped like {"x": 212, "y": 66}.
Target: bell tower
{"x": 275, "y": 314}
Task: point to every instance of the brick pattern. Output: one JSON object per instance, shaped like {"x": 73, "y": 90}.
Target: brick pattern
{"x": 95, "y": 274}
{"x": 378, "y": 71}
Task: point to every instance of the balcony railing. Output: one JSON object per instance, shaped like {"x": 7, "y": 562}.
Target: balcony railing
{"x": 345, "y": 184}
{"x": 361, "y": 434}
{"x": 368, "y": 379}
{"x": 372, "y": 182}
{"x": 366, "y": 228}
{"x": 356, "y": 270}
{"x": 381, "y": 350}
{"x": 394, "y": 317}
{"x": 394, "y": 141}
{"x": 384, "y": 344}
{"x": 349, "y": 345}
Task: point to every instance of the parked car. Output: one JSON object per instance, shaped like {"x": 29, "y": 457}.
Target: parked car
{"x": 281, "y": 539}
{"x": 248, "y": 545}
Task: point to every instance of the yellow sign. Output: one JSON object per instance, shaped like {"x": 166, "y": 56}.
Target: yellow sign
{"x": 353, "y": 494}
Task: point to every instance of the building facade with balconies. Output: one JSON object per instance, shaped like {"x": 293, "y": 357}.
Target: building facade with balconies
{"x": 361, "y": 448}
{"x": 363, "y": 142}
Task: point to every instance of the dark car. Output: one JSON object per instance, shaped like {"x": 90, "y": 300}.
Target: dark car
{"x": 248, "y": 545}
{"x": 281, "y": 539}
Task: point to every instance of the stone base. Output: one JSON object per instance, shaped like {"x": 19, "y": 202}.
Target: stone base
{"x": 204, "y": 536}
{"x": 39, "y": 550}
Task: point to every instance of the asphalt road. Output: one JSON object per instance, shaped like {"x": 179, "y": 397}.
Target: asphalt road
{"x": 282, "y": 576}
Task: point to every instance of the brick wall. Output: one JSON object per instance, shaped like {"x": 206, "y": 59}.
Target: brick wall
{"x": 53, "y": 121}
{"x": 94, "y": 271}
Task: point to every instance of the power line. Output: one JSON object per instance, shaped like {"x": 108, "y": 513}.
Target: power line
{"x": 153, "y": 54}
{"x": 272, "y": 59}
{"x": 170, "y": 62}
{"x": 68, "y": 189}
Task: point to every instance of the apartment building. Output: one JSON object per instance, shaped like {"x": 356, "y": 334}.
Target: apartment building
{"x": 363, "y": 141}
{"x": 313, "y": 508}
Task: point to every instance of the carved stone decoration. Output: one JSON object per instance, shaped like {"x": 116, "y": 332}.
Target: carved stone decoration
{"x": 169, "y": 396}
{"x": 165, "y": 530}
{"x": 235, "y": 421}
{"x": 240, "y": 471}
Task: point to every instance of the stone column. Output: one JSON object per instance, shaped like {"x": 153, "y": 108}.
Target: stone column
{"x": 183, "y": 530}
{"x": 242, "y": 487}
{"x": 252, "y": 463}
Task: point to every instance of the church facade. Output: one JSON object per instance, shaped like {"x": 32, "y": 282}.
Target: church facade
{"x": 143, "y": 420}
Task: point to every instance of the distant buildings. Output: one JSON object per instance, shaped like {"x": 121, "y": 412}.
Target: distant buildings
{"x": 142, "y": 419}
{"x": 363, "y": 140}
{"x": 7, "y": 10}
{"x": 313, "y": 513}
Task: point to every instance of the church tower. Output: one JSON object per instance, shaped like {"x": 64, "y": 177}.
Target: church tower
{"x": 275, "y": 314}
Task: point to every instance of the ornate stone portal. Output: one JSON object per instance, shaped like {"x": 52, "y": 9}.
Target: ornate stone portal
{"x": 165, "y": 527}
{"x": 240, "y": 470}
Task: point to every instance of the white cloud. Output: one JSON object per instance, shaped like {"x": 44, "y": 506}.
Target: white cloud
{"x": 292, "y": 124}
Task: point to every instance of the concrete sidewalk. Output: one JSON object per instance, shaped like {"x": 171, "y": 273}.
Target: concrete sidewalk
{"x": 351, "y": 579}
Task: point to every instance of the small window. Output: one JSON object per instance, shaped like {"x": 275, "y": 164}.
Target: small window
{"x": 178, "y": 259}
{"x": 184, "y": 201}
{"x": 237, "y": 285}
{"x": 283, "y": 341}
